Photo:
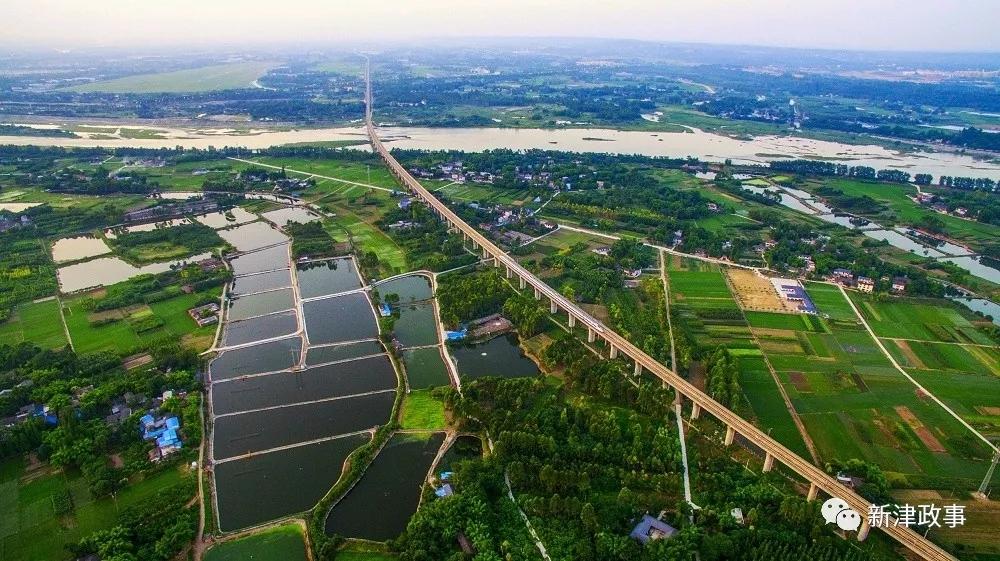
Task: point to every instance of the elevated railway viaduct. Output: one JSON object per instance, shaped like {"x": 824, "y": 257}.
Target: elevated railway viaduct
{"x": 618, "y": 346}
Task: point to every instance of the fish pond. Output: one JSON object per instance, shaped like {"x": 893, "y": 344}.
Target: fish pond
{"x": 500, "y": 356}
{"x": 385, "y": 498}
{"x": 323, "y": 278}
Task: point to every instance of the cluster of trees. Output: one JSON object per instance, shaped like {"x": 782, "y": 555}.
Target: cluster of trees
{"x": 525, "y": 313}
{"x": 723, "y": 379}
{"x": 640, "y": 316}
{"x": 100, "y": 181}
{"x": 819, "y": 167}
{"x": 156, "y": 529}
{"x": 470, "y": 296}
{"x": 426, "y": 239}
{"x": 310, "y": 239}
{"x": 160, "y": 243}
{"x": 968, "y": 183}
{"x": 26, "y": 271}
{"x": 585, "y": 460}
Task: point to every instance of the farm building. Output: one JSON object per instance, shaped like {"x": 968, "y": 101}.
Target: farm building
{"x": 866, "y": 284}
{"x": 649, "y": 529}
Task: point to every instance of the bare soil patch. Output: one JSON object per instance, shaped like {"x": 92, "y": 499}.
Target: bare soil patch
{"x": 923, "y": 433}
{"x": 800, "y": 382}
{"x": 755, "y": 292}
{"x": 911, "y": 357}
{"x": 984, "y": 410}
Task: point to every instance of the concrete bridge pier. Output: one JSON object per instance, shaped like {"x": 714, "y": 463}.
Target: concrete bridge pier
{"x": 863, "y": 530}
{"x": 509, "y": 272}
{"x": 591, "y": 335}
{"x": 695, "y": 411}
{"x": 521, "y": 282}
{"x": 553, "y": 308}
{"x": 572, "y": 322}
{"x": 730, "y": 435}
{"x": 613, "y": 353}
{"x": 813, "y": 491}
{"x": 768, "y": 462}
{"x": 538, "y": 293}
{"x": 486, "y": 254}
{"x": 638, "y": 369}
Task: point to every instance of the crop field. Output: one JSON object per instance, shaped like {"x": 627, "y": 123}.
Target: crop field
{"x": 128, "y": 333}
{"x": 701, "y": 297}
{"x": 754, "y": 292}
{"x": 421, "y": 410}
{"x": 36, "y": 322}
{"x": 283, "y": 543}
{"x": 830, "y": 301}
{"x": 926, "y": 320}
{"x": 854, "y": 404}
{"x": 369, "y": 174}
{"x": 30, "y": 529}
{"x": 937, "y": 343}
{"x": 207, "y": 78}
{"x": 473, "y": 192}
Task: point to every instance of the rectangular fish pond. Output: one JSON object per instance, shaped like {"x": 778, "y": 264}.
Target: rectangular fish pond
{"x": 311, "y": 384}
{"x": 323, "y": 278}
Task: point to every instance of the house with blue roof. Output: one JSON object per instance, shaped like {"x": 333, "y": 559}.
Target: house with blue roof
{"x": 649, "y": 529}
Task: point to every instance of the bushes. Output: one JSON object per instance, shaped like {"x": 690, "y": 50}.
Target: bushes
{"x": 310, "y": 239}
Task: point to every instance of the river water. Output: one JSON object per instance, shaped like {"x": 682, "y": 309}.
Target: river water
{"x": 695, "y": 143}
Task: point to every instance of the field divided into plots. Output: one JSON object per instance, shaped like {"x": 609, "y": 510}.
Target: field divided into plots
{"x": 939, "y": 344}
{"x": 855, "y": 404}
{"x": 711, "y": 317}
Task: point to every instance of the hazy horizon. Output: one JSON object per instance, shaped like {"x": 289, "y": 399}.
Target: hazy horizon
{"x": 891, "y": 25}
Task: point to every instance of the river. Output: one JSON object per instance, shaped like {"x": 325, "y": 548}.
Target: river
{"x": 694, "y": 143}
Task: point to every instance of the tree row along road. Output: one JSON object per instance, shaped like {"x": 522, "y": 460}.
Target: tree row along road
{"x": 701, "y": 401}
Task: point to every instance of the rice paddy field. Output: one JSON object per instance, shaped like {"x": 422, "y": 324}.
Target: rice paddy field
{"x": 37, "y": 322}
{"x": 710, "y": 315}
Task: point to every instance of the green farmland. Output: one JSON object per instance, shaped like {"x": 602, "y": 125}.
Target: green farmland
{"x": 283, "y": 543}
{"x": 207, "y": 78}
{"x": 855, "y": 404}
{"x": 30, "y": 529}
{"x": 36, "y": 322}
{"x": 129, "y": 332}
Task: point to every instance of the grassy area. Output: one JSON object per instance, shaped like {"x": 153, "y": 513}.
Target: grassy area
{"x": 830, "y": 301}
{"x": 282, "y": 543}
{"x": 904, "y": 210}
{"x": 38, "y": 323}
{"x": 912, "y": 318}
{"x": 204, "y": 79}
{"x": 365, "y": 556}
{"x": 128, "y": 333}
{"x": 421, "y": 410}
{"x": 30, "y": 530}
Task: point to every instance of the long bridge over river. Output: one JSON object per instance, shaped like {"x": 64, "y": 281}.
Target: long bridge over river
{"x": 618, "y": 346}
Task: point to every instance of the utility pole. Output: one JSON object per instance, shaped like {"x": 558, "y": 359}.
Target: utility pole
{"x": 989, "y": 475}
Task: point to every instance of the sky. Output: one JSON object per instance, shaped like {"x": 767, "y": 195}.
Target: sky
{"x": 905, "y": 25}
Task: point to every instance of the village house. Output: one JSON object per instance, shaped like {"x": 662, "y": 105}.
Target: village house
{"x": 866, "y": 284}
{"x": 899, "y": 284}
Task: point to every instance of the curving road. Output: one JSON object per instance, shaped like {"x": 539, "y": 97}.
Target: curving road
{"x": 818, "y": 479}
